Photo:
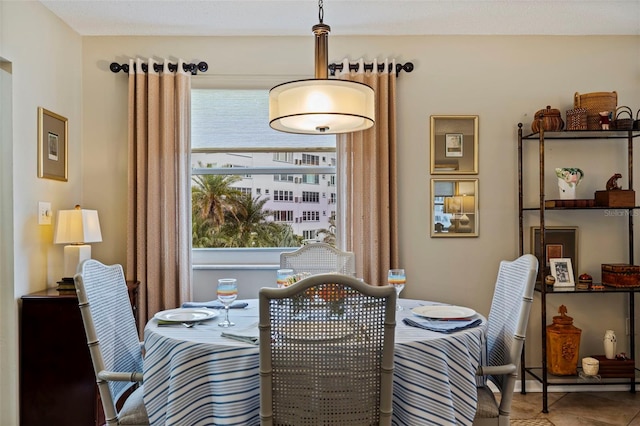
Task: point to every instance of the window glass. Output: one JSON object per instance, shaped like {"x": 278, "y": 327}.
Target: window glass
{"x": 251, "y": 185}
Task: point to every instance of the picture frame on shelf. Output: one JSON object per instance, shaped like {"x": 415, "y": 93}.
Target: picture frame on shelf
{"x": 53, "y": 131}
{"x": 454, "y": 144}
{"x": 559, "y": 241}
{"x": 562, "y": 271}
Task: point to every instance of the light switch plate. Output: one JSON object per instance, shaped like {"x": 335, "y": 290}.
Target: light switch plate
{"x": 44, "y": 213}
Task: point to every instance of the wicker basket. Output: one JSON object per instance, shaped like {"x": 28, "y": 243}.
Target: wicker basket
{"x": 623, "y": 123}
{"x": 636, "y": 123}
{"x": 595, "y": 103}
{"x": 577, "y": 119}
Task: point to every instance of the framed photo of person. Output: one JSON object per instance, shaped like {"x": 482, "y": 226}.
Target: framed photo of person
{"x": 562, "y": 271}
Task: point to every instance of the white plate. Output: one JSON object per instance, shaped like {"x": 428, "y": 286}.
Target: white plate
{"x": 186, "y": 314}
{"x": 443, "y": 311}
{"x": 316, "y": 331}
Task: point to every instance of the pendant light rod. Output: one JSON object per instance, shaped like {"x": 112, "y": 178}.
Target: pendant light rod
{"x": 321, "y": 31}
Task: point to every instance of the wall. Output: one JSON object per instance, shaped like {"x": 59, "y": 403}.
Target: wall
{"x": 504, "y": 80}
{"x": 41, "y": 66}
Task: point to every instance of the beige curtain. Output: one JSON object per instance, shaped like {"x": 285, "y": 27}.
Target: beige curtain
{"x": 159, "y": 204}
{"x": 367, "y": 170}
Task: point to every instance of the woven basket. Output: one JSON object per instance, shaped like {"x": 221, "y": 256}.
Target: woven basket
{"x": 595, "y": 103}
{"x": 636, "y": 123}
{"x": 577, "y": 119}
{"x": 623, "y": 123}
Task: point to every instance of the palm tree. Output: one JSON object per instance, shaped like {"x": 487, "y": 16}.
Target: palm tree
{"x": 329, "y": 234}
{"x": 250, "y": 226}
{"x": 213, "y": 196}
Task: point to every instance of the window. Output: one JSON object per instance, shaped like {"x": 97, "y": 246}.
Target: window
{"x": 310, "y": 197}
{"x": 254, "y": 174}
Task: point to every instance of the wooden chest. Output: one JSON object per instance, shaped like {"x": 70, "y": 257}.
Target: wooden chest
{"x": 620, "y": 275}
{"x": 614, "y": 368}
{"x": 616, "y": 198}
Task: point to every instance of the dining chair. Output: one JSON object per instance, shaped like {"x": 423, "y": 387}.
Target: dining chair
{"x": 326, "y": 352}
{"x": 112, "y": 336}
{"x": 506, "y": 328}
{"x": 319, "y": 258}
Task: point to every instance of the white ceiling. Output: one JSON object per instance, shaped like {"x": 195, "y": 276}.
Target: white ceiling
{"x": 349, "y": 17}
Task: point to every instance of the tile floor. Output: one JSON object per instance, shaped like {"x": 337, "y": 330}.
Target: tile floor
{"x": 580, "y": 408}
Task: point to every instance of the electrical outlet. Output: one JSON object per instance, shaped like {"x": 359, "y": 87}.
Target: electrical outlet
{"x": 44, "y": 213}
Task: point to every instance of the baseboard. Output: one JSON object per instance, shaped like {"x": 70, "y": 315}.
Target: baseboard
{"x": 536, "y": 386}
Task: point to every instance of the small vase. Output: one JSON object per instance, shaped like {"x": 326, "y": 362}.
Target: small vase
{"x": 567, "y": 190}
{"x": 610, "y": 344}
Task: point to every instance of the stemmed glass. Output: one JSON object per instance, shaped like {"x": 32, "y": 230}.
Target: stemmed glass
{"x": 397, "y": 279}
{"x": 227, "y": 293}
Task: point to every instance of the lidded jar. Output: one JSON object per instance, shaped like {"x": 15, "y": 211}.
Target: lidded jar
{"x": 550, "y": 119}
{"x": 563, "y": 345}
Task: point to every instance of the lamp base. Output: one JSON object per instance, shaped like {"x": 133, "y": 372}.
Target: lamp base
{"x": 66, "y": 285}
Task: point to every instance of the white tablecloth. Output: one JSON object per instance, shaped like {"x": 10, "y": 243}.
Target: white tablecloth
{"x": 193, "y": 376}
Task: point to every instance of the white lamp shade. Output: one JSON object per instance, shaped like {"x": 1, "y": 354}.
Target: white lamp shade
{"x": 77, "y": 226}
{"x": 321, "y": 106}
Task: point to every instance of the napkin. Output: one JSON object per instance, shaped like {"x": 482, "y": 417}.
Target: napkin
{"x": 214, "y": 304}
{"x": 443, "y": 326}
{"x": 249, "y": 335}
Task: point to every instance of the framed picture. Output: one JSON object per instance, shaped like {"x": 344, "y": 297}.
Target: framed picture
{"x": 52, "y": 145}
{"x": 454, "y": 144}
{"x": 454, "y": 208}
{"x": 559, "y": 241}
{"x": 562, "y": 271}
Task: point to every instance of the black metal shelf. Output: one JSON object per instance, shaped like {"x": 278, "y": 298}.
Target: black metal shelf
{"x": 541, "y": 373}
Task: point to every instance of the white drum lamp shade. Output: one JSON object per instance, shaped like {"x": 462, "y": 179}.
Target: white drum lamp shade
{"x": 76, "y": 228}
{"x": 319, "y": 105}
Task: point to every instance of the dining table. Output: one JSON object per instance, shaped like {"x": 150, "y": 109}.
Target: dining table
{"x": 197, "y": 376}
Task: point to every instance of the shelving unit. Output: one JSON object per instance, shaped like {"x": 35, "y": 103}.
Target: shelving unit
{"x": 540, "y": 373}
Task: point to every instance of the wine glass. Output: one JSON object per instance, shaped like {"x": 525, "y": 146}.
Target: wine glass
{"x": 227, "y": 293}
{"x": 397, "y": 279}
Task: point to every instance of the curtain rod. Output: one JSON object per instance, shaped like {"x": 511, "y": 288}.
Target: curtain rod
{"x": 192, "y": 68}
{"x": 408, "y": 67}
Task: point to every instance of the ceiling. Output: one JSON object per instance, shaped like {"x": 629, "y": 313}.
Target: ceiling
{"x": 348, "y": 17}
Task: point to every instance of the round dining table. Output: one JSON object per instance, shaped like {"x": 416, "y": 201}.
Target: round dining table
{"x": 197, "y": 376}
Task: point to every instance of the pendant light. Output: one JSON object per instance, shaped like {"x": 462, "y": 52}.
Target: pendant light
{"x": 321, "y": 105}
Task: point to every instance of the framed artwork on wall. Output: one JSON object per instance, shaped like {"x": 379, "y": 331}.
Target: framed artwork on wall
{"x": 52, "y": 145}
{"x": 454, "y": 144}
{"x": 454, "y": 207}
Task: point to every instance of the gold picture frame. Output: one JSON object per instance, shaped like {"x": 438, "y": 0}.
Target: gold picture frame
{"x": 454, "y": 208}
{"x": 454, "y": 144}
{"x": 53, "y": 132}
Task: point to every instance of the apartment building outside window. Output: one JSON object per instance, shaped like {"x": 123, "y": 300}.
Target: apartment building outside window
{"x": 269, "y": 179}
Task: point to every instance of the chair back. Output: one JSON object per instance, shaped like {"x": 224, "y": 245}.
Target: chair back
{"x": 326, "y": 352}
{"x": 509, "y": 315}
{"x": 110, "y": 327}
{"x": 319, "y": 258}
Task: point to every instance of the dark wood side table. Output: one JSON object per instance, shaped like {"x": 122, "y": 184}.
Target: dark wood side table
{"x": 57, "y": 383}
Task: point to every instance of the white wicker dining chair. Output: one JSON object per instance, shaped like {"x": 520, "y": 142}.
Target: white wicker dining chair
{"x": 506, "y": 328}
{"x": 319, "y": 258}
{"x": 112, "y": 336}
{"x": 326, "y": 352}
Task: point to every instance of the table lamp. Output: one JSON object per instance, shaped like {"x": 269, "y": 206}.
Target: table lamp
{"x": 75, "y": 228}
{"x": 467, "y": 206}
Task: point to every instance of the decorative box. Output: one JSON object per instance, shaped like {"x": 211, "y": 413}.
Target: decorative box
{"x": 577, "y": 119}
{"x": 616, "y": 198}
{"x": 615, "y": 368}
{"x": 620, "y": 275}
